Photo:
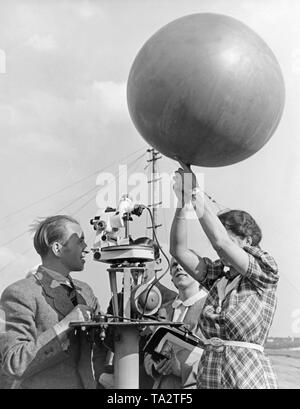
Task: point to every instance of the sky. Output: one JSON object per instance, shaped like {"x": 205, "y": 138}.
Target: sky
{"x": 64, "y": 119}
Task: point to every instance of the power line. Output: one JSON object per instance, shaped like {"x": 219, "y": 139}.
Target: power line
{"x": 162, "y": 207}
{"x": 76, "y": 200}
{"x": 14, "y": 260}
{"x": 135, "y": 161}
{"x": 67, "y": 187}
{"x": 113, "y": 179}
{"x": 290, "y": 283}
{"x": 220, "y": 206}
{"x": 63, "y": 208}
{"x": 14, "y": 238}
{"x": 66, "y": 206}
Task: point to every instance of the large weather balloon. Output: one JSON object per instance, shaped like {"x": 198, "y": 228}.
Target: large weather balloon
{"x": 206, "y": 89}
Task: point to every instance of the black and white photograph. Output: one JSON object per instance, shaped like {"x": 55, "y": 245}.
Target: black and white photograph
{"x": 149, "y": 212}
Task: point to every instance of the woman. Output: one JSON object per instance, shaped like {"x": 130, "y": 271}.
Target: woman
{"x": 241, "y": 302}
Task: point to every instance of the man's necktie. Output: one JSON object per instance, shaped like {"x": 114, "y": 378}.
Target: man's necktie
{"x": 71, "y": 292}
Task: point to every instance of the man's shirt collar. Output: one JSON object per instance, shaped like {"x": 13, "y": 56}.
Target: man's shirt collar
{"x": 58, "y": 277}
{"x": 190, "y": 301}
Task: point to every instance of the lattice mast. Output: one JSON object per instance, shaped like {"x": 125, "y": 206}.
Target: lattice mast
{"x": 154, "y": 182}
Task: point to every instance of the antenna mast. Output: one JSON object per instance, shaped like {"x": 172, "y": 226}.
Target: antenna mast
{"x": 154, "y": 181}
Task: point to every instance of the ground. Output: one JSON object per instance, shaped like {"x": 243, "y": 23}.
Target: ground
{"x": 286, "y": 364}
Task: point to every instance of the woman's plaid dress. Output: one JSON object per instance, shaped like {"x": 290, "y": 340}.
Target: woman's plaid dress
{"x": 247, "y": 314}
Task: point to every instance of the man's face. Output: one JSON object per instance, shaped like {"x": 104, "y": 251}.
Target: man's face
{"x": 180, "y": 278}
{"x": 149, "y": 271}
{"x": 72, "y": 254}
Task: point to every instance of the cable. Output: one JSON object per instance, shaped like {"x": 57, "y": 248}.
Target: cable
{"x": 164, "y": 254}
{"x": 220, "y": 206}
{"x": 76, "y": 200}
{"x": 138, "y": 160}
{"x": 14, "y": 260}
{"x": 129, "y": 319}
{"x": 156, "y": 239}
{"x": 290, "y": 283}
{"x": 58, "y": 211}
{"x": 66, "y": 187}
{"x": 135, "y": 161}
{"x": 66, "y": 206}
{"x": 162, "y": 209}
{"x": 14, "y": 238}
{"x": 113, "y": 179}
{"x": 28, "y": 231}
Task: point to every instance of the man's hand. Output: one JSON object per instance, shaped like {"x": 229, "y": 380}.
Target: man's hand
{"x": 79, "y": 314}
{"x": 169, "y": 365}
{"x": 107, "y": 380}
{"x": 149, "y": 364}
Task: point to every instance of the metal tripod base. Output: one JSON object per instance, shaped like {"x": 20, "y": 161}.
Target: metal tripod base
{"x": 127, "y": 358}
{"x": 126, "y": 348}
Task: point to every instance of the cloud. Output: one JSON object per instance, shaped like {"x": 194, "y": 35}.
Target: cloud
{"x": 6, "y": 256}
{"x": 2, "y": 62}
{"x": 52, "y": 125}
{"x": 40, "y": 143}
{"x": 111, "y": 98}
{"x": 32, "y": 125}
{"x": 87, "y": 10}
{"x": 295, "y": 61}
{"x": 15, "y": 266}
{"x": 41, "y": 42}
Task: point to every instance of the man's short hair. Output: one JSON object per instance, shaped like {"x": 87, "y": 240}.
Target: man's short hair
{"x": 49, "y": 230}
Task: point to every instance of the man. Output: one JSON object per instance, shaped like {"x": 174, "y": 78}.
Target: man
{"x": 173, "y": 372}
{"x": 37, "y": 346}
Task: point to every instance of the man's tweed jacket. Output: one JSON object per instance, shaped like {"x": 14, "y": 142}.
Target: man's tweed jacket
{"x": 30, "y": 351}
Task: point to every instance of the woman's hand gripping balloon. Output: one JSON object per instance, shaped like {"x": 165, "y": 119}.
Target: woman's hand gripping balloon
{"x": 185, "y": 184}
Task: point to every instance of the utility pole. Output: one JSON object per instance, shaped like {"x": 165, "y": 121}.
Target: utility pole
{"x": 154, "y": 181}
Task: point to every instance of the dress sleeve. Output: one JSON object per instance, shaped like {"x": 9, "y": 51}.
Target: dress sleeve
{"x": 262, "y": 270}
{"x": 214, "y": 269}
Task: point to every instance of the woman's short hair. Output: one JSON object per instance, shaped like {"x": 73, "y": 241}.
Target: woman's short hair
{"x": 146, "y": 241}
{"x": 49, "y": 230}
{"x": 241, "y": 224}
